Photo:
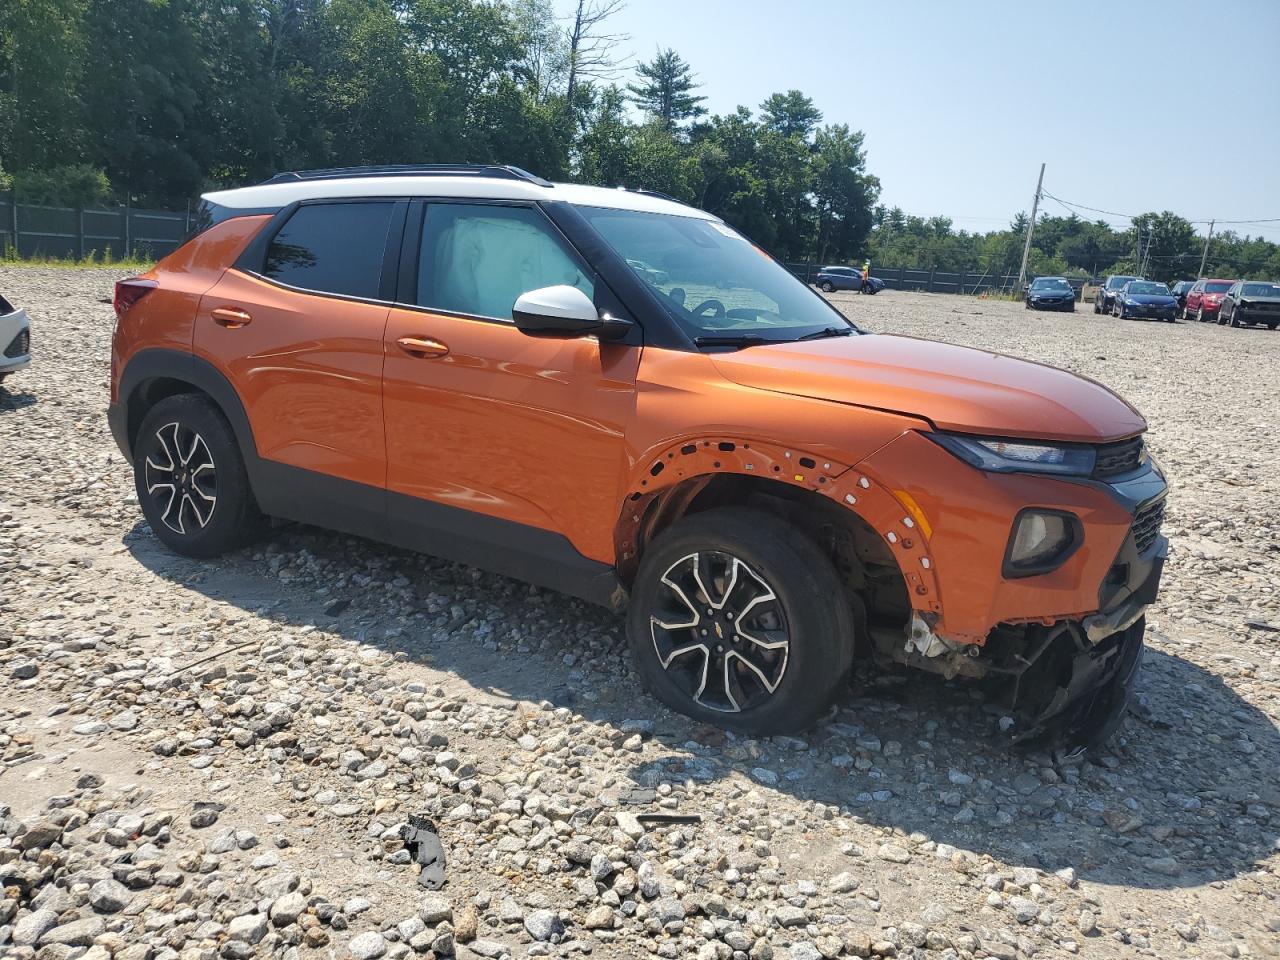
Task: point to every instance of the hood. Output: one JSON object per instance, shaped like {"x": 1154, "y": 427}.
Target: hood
{"x": 1153, "y": 299}
{"x": 955, "y": 388}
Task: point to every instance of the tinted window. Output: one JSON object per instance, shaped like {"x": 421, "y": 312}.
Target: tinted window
{"x": 1147, "y": 288}
{"x": 478, "y": 259}
{"x": 332, "y": 247}
{"x": 1217, "y": 287}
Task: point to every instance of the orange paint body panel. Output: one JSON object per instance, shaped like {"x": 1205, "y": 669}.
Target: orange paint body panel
{"x": 517, "y": 427}
{"x": 308, "y": 369}
{"x": 165, "y": 318}
{"x": 971, "y": 515}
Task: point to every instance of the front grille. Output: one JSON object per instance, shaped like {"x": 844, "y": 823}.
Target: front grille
{"x": 20, "y": 346}
{"x": 1116, "y": 458}
{"x": 1146, "y": 525}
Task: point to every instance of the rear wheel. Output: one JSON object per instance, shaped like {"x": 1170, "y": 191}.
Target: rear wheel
{"x": 736, "y": 618}
{"x": 1200, "y": 315}
{"x": 190, "y": 478}
{"x": 828, "y": 286}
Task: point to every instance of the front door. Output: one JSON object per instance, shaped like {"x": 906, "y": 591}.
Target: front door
{"x": 526, "y": 432}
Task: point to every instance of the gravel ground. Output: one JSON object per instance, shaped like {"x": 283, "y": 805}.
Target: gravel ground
{"x": 206, "y": 760}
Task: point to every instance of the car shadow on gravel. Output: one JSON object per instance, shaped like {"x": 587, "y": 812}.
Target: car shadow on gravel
{"x": 15, "y": 400}
{"x": 1185, "y": 795}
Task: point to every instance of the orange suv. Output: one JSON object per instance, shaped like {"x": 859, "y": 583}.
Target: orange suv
{"x": 619, "y": 397}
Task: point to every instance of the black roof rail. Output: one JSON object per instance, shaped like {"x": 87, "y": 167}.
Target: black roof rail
{"x": 504, "y": 171}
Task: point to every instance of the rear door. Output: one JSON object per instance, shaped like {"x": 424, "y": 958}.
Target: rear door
{"x": 1194, "y": 295}
{"x": 299, "y": 335}
{"x": 483, "y": 417}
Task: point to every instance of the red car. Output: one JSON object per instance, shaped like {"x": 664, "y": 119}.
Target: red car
{"x": 1204, "y": 299}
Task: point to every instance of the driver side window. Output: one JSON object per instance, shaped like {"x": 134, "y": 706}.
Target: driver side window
{"x": 477, "y": 259}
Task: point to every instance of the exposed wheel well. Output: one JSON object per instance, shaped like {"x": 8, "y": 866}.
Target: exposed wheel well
{"x": 861, "y": 557}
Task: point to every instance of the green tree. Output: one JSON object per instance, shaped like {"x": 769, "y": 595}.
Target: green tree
{"x": 844, "y": 193}
{"x": 42, "y": 45}
{"x": 791, "y": 114}
{"x": 665, "y": 90}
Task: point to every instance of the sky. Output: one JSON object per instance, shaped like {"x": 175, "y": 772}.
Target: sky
{"x": 1134, "y": 105}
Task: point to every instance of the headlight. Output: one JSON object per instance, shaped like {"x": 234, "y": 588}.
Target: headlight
{"x": 1041, "y": 540}
{"x": 1018, "y": 456}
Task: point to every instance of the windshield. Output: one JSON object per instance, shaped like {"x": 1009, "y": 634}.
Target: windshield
{"x": 1148, "y": 288}
{"x": 711, "y": 279}
{"x": 1115, "y": 283}
{"x": 1051, "y": 283}
{"x": 1260, "y": 290}
{"x": 1217, "y": 287}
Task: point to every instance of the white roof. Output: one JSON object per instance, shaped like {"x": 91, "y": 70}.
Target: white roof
{"x": 275, "y": 195}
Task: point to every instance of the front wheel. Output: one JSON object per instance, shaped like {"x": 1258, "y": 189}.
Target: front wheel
{"x": 738, "y": 619}
{"x": 190, "y": 478}
{"x": 1200, "y": 315}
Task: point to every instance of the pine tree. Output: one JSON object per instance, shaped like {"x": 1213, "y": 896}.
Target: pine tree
{"x": 666, "y": 91}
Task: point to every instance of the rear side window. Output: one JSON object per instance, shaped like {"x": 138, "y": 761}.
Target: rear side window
{"x": 478, "y": 259}
{"x": 332, "y": 248}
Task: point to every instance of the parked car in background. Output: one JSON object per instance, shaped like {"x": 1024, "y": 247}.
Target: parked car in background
{"x": 1051, "y": 293}
{"x": 1105, "y": 298}
{"x": 1179, "y": 290}
{"x": 1145, "y": 298}
{"x": 1204, "y": 298}
{"x": 15, "y": 338}
{"x": 1250, "y": 302}
{"x": 468, "y": 361}
{"x": 830, "y": 279}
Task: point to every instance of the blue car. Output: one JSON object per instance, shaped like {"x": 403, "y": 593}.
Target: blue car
{"x": 830, "y": 279}
{"x": 1145, "y": 298}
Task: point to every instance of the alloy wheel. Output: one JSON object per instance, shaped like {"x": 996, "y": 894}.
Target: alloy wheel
{"x": 720, "y": 632}
{"x": 181, "y": 478}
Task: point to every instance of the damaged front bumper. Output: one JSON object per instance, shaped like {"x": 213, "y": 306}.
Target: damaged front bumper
{"x": 1072, "y": 680}
{"x": 1066, "y": 684}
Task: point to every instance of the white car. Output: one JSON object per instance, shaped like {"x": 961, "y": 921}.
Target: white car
{"x": 15, "y": 338}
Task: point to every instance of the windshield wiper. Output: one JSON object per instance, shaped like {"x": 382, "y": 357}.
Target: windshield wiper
{"x": 827, "y": 332}
{"x": 737, "y": 340}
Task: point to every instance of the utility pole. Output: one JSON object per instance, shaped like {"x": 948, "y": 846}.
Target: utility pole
{"x": 1205, "y": 256}
{"x": 1031, "y": 227}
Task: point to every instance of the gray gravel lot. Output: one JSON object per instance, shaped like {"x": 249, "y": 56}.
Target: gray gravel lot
{"x": 205, "y": 760}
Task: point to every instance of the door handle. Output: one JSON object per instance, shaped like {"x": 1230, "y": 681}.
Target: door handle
{"x": 230, "y": 317}
{"x": 422, "y": 346}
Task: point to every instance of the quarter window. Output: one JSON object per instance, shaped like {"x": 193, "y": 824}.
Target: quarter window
{"x": 477, "y": 259}
{"x": 332, "y": 248}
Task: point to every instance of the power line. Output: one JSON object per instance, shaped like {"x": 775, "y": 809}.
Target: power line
{"x": 1129, "y": 216}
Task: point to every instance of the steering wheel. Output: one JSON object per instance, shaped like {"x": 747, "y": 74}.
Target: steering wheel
{"x": 718, "y": 311}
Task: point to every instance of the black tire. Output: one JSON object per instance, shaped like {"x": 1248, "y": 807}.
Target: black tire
{"x": 1272, "y": 326}
{"x": 209, "y": 507}
{"x": 828, "y": 286}
{"x": 1235, "y": 319}
{"x": 1199, "y": 314}
{"x": 779, "y": 694}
